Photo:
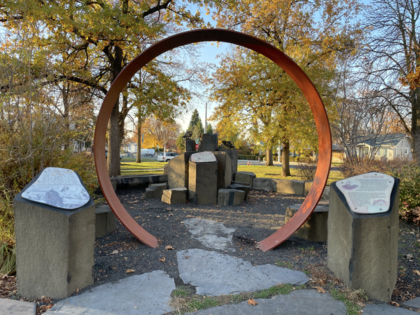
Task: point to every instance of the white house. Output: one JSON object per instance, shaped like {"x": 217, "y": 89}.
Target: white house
{"x": 389, "y": 146}
{"x": 130, "y": 147}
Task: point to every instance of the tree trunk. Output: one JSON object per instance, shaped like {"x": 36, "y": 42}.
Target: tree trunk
{"x": 138, "y": 156}
{"x": 66, "y": 116}
{"x": 285, "y": 158}
{"x": 269, "y": 157}
{"x": 415, "y": 125}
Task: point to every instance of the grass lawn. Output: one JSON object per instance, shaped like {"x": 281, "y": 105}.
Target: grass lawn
{"x": 150, "y": 166}
{"x": 276, "y": 172}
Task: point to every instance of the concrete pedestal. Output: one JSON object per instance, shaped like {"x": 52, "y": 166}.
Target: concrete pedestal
{"x": 202, "y": 182}
{"x": 105, "y": 220}
{"x": 363, "y": 249}
{"x": 54, "y": 248}
{"x": 178, "y": 170}
{"x": 315, "y": 228}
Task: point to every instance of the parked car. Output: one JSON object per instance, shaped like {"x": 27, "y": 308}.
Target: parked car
{"x": 167, "y": 157}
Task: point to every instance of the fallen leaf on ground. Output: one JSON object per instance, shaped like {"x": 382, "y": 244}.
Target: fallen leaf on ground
{"x": 189, "y": 216}
{"x": 130, "y": 271}
{"x": 252, "y": 302}
{"x": 417, "y": 272}
{"x": 320, "y": 290}
{"x": 395, "y": 304}
{"x": 114, "y": 252}
{"x": 162, "y": 259}
{"x": 169, "y": 247}
{"x": 186, "y": 257}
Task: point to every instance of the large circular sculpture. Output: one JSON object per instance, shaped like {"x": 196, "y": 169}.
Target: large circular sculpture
{"x": 232, "y": 37}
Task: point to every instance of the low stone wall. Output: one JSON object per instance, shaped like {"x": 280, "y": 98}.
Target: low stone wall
{"x": 137, "y": 181}
{"x": 290, "y": 187}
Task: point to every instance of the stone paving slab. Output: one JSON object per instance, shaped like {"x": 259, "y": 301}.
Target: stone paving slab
{"x": 385, "y": 309}
{"x": 218, "y": 274}
{"x": 12, "y": 307}
{"x": 146, "y": 294}
{"x": 211, "y": 234}
{"x": 413, "y": 303}
{"x": 302, "y": 302}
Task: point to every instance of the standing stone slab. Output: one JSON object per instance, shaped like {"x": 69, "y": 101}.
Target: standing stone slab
{"x": 245, "y": 188}
{"x": 233, "y": 154}
{"x": 54, "y": 248}
{"x": 202, "y": 181}
{"x": 315, "y": 229}
{"x": 363, "y": 248}
{"x": 189, "y": 145}
{"x": 155, "y": 191}
{"x": 208, "y": 143}
{"x": 230, "y": 197}
{"x": 266, "y": 184}
{"x": 290, "y": 187}
{"x": 105, "y": 220}
{"x": 224, "y": 166}
{"x": 175, "y": 196}
{"x": 13, "y": 307}
{"x": 178, "y": 170}
{"x": 246, "y": 178}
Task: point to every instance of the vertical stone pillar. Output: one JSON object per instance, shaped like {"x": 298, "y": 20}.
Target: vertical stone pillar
{"x": 363, "y": 248}
{"x": 202, "y": 181}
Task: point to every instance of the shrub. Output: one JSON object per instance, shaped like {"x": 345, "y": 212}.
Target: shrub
{"x": 307, "y": 171}
{"x": 247, "y": 157}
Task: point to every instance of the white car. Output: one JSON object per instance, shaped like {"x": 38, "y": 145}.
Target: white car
{"x": 167, "y": 157}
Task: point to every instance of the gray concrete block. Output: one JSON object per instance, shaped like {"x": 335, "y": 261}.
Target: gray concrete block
{"x": 315, "y": 229}
{"x": 175, "y": 196}
{"x": 190, "y": 145}
{"x": 233, "y": 154}
{"x": 245, "y": 188}
{"x": 246, "y": 178}
{"x": 105, "y": 220}
{"x": 325, "y": 194}
{"x": 289, "y": 187}
{"x": 230, "y": 197}
{"x": 208, "y": 143}
{"x": 363, "y": 249}
{"x": 139, "y": 181}
{"x": 224, "y": 169}
{"x": 202, "y": 182}
{"x": 54, "y": 249}
{"x": 301, "y": 302}
{"x": 13, "y": 307}
{"x": 266, "y": 184}
{"x": 155, "y": 191}
{"x": 178, "y": 171}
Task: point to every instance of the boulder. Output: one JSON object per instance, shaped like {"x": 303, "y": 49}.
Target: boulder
{"x": 245, "y": 178}
{"x": 155, "y": 191}
{"x": 245, "y": 188}
{"x": 266, "y": 184}
{"x": 175, "y": 196}
{"x": 315, "y": 229}
{"x": 230, "y": 197}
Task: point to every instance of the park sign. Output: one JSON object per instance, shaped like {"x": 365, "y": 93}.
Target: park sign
{"x": 58, "y": 187}
{"x": 368, "y": 193}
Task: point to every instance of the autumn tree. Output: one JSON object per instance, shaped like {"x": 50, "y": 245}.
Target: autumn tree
{"x": 93, "y": 41}
{"x": 311, "y": 33}
{"x": 161, "y": 131}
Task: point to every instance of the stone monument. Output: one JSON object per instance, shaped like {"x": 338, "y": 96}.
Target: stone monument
{"x": 55, "y": 235}
{"x": 202, "y": 178}
{"x": 363, "y": 231}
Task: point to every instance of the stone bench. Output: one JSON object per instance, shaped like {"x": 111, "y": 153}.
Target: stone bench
{"x": 155, "y": 191}
{"x": 230, "y": 197}
{"x": 315, "y": 229}
{"x": 290, "y": 187}
{"x": 175, "y": 196}
{"x": 105, "y": 220}
{"x": 266, "y": 184}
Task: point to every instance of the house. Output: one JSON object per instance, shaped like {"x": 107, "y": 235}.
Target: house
{"x": 388, "y": 146}
{"x": 130, "y": 147}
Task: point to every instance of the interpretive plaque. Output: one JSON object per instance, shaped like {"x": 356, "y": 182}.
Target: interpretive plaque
{"x": 58, "y": 187}
{"x": 203, "y": 157}
{"x": 368, "y": 193}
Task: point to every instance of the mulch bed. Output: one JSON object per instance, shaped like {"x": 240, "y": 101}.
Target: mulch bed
{"x": 255, "y": 220}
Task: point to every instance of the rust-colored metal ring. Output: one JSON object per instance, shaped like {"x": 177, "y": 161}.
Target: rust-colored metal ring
{"x": 232, "y": 37}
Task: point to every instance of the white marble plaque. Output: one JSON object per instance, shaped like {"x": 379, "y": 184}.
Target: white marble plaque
{"x": 203, "y": 157}
{"x": 368, "y": 193}
{"x": 58, "y": 187}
